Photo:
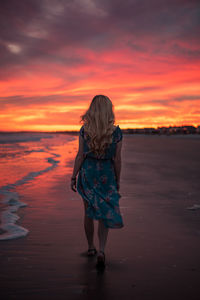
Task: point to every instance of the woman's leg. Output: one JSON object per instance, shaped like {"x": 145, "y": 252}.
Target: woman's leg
{"x": 89, "y": 227}
{"x": 102, "y": 234}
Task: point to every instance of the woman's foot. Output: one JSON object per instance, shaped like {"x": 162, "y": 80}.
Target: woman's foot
{"x": 91, "y": 251}
{"x": 101, "y": 260}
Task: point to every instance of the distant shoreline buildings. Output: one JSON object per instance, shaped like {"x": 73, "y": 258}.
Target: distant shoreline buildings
{"x": 185, "y": 129}
{"x": 165, "y": 130}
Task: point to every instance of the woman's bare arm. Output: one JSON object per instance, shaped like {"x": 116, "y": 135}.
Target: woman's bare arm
{"x": 117, "y": 161}
{"x": 79, "y": 157}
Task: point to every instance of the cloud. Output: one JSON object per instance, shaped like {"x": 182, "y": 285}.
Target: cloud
{"x": 187, "y": 97}
{"x": 18, "y": 101}
{"x": 58, "y": 53}
{"x": 38, "y": 30}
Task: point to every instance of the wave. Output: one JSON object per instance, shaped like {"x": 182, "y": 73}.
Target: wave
{"x": 9, "y": 138}
{"x": 8, "y": 227}
{"x": 7, "y": 155}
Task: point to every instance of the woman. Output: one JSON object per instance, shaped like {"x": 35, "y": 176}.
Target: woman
{"x": 98, "y": 163}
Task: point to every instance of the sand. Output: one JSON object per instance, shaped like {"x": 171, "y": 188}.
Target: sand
{"x": 154, "y": 256}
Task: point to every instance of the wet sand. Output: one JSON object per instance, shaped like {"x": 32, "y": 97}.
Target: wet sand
{"x": 156, "y": 254}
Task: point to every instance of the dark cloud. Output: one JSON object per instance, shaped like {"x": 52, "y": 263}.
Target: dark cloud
{"x": 142, "y": 114}
{"x": 187, "y": 97}
{"x": 41, "y": 28}
{"x": 21, "y": 101}
{"x": 144, "y": 88}
{"x": 155, "y": 17}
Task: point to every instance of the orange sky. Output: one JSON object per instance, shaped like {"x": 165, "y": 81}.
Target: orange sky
{"x": 58, "y": 55}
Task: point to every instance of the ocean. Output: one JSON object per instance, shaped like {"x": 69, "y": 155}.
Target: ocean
{"x": 27, "y": 159}
{"x": 24, "y": 157}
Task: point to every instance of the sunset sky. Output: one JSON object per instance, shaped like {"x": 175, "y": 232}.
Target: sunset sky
{"x": 55, "y": 56}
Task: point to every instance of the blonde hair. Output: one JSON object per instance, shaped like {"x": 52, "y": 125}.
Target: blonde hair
{"x": 98, "y": 123}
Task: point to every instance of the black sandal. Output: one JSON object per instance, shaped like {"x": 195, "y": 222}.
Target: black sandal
{"x": 91, "y": 251}
{"x": 101, "y": 260}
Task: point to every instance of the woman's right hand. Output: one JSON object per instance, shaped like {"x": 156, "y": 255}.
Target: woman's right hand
{"x": 73, "y": 184}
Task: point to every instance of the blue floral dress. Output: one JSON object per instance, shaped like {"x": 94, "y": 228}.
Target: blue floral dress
{"x": 97, "y": 183}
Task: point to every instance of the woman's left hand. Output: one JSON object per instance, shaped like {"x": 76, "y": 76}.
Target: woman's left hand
{"x": 73, "y": 184}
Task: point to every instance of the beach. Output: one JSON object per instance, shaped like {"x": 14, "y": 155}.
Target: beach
{"x": 154, "y": 256}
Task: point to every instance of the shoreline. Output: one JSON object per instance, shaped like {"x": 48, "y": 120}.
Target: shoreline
{"x": 154, "y": 256}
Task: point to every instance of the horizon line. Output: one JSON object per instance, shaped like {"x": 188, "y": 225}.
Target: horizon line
{"x": 65, "y": 131}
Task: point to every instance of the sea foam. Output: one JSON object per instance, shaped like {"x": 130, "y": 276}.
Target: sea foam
{"x": 11, "y": 198}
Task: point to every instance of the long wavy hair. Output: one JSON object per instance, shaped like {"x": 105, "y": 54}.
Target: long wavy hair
{"x": 98, "y": 123}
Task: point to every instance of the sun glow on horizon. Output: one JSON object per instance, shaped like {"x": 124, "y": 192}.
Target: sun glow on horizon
{"x": 149, "y": 70}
